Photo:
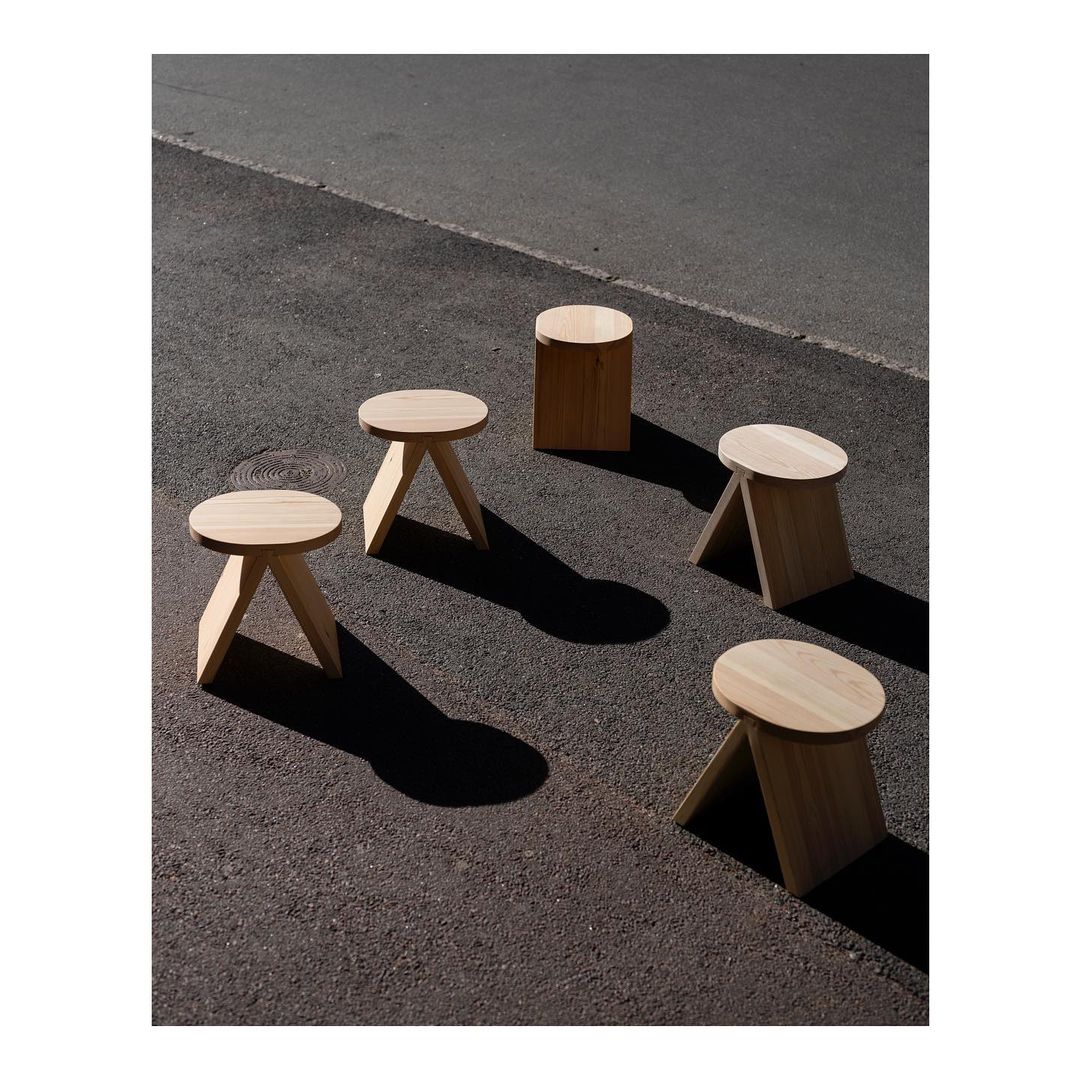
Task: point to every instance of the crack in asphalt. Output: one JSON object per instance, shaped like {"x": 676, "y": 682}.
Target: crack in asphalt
{"x": 191, "y": 90}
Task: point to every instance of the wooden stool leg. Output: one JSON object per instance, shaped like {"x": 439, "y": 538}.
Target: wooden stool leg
{"x": 727, "y": 527}
{"x": 457, "y": 483}
{"x": 310, "y": 608}
{"x": 393, "y": 480}
{"x": 822, "y": 803}
{"x": 226, "y": 608}
{"x": 728, "y": 764}
{"x": 799, "y": 539}
{"x": 582, "y": 397}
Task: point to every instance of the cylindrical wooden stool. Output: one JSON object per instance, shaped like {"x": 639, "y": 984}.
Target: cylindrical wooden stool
{"x": 581, "y": 385}
{"x": 418, "y": 422}
{"x": 803, "y": 714}
{"x": 257, "y": 529}
{"x": 782, "y": 498}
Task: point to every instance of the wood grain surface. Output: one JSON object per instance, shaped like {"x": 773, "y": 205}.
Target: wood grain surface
{"x": 799, "y": 540}
{"x": 582, "y": 324}
{"x": 823, "y": 805}
{"x": 777, "y": 454}
{"x": 388, "y": 490}
{"x": 582, "y": 379}
{"x": 250, "y": 522}
{"x": 416, "y": 415}
{"x": 798, "y": 689}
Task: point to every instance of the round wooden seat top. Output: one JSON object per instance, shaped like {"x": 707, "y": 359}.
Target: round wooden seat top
{"x": 265, "y": 522}
{"x": 415, "y": 415}
{"x": 798, "y": 691}
{"x": 777, "y": 454}
{"x": 580, "y": 325}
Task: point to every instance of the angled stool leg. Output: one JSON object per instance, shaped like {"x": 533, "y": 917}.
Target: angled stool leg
{"x": 732, "y": 761}
{"x": 726, "y": 528}
{"x": 226, "y": 608}
{"x": 310, "y": 608}
{"x": 822, "y": 802}
{"x": 799, "y": 540}
{"x": 457, "y": 483}
{"x": 393, "y": 479}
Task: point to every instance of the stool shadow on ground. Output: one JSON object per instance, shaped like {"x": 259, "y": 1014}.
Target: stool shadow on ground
{"x": 863, "y": 612}
{"x": 373, "y": 713}
{"x": 661, "y": 457}
{"x": 519, "y": 574}
{"x": 872, "y": 615}
{"x": 883, "y": 896}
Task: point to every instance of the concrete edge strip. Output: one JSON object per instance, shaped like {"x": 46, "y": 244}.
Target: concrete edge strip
{"x": 556, "y": 260}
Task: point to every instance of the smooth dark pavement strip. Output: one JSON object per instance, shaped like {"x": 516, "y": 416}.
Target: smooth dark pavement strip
{"x": 474, "y": 826}
{"x": 791, "y": 189}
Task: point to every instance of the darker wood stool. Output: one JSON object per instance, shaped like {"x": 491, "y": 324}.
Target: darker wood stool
{"x": 581, "y": 384}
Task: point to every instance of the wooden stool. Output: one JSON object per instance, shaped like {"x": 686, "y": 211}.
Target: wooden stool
{"x": 417, "y": 421}
{"x": 804, "y": 713}
{"x": 257, "y": 529}
{"x": 783, "y": 497}
{"x": 581, "y": 386}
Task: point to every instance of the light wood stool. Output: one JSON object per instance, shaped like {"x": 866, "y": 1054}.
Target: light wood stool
{"x": 782, "y": 497}
{"x": 803, "y": 714}
{"x": 257, "y": 529}
{"x": 415, "y": 422}
{"x": 581, "y": 384}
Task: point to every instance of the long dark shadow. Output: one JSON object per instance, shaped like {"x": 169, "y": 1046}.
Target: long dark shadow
{"x": 884, "y": 896}
{"x": 661, "y": 457}
{"x": 864, "y": 612}
{"x": 519, "y": 574}
{"x": 375, "y": 714}
{"x": 874, "y": 616}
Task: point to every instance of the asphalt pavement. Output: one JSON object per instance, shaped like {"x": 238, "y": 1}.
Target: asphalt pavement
{"x": 789, "y": 189}
{"x": 475, "y": 824}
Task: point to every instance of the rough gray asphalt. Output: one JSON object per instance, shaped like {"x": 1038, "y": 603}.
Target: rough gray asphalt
{"x": 474, "y": 826}
{"x": 788, "y": 188}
